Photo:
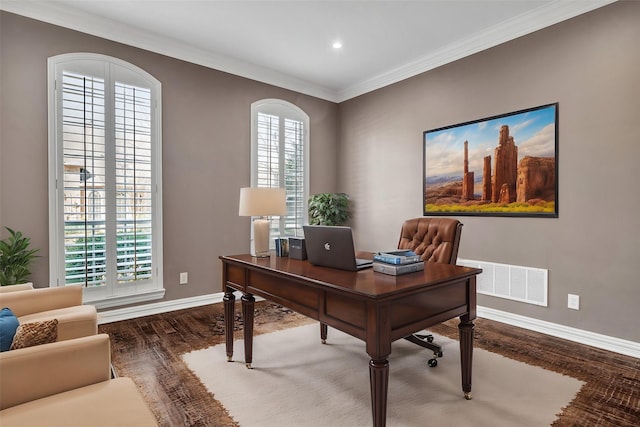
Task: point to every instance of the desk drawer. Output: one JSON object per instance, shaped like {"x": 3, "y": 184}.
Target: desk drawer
{"x": 345, "y": 310}
{"x": 428, "y": 304}
{"x": 293, "y": 295}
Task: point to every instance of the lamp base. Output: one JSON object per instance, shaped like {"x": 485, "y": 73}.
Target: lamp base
{"x": 262, "y": 255}
{"x": 261, "y": 228}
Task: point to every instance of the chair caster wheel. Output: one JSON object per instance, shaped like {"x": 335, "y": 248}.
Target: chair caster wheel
{"x": 432, "y": 363}
{"x": 439, "y": 354}
{"x": 430, "y": 338}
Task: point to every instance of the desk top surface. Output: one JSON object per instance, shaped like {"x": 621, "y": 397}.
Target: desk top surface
{"x": 364, "y": 282}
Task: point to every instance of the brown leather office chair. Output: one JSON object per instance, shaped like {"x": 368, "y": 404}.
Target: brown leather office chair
{"x": 435, "y": 240}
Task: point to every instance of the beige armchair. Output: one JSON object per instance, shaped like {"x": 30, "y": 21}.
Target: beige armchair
{"x": 68, "y": 384}
{"x": 63, "y": 303}
{"x": 13, "y": 288}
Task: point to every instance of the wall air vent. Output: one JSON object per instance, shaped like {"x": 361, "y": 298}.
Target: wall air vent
{"x": 518, "y": 283}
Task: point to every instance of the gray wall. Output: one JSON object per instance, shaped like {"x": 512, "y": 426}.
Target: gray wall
{"x": 591, "y": 66}
{"x": 206, "y": 148}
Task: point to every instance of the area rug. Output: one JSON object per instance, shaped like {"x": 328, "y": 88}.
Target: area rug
{"x": 297, "y": 381}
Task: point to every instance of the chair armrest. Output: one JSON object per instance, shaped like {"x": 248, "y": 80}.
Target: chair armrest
{"x": 42, "y": 299}
{"x": 44, "y": 370}
{"x": 13, "y": 288}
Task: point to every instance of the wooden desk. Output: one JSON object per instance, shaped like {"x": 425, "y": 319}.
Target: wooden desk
{"x": 374, "y": 307}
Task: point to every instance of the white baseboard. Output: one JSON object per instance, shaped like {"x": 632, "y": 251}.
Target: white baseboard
{"x": 604, "y": 342}
{"x": 127, "y": 313}
{"x": 592, "y": 339}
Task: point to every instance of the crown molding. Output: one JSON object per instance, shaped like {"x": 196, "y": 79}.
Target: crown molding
{"x": 537, "y": 19}
{"x": 53, "y": 13}
{"x": 544, "y": 16}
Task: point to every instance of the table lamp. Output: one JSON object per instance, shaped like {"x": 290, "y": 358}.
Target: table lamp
{"x": 262, "y": 202}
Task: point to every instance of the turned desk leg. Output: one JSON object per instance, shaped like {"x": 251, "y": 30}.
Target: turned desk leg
{"x": 229, "y": 315}
{"x": 466, "y": 354}
{"x": 247, "y": 314}
{"x": 323, "y": 332}
{"x": 379, "y": 379}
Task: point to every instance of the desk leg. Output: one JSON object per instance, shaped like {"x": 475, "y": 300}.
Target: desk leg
{"x": 247, "y": 314}
{"x": 466, "y": 354}
{"x": 379, "y": 379}
{"x": 229, "y": 315}
{"x": 323, "y": 332}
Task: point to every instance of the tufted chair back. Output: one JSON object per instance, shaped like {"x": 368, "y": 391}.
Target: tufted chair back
{"x": 435, "y": 239}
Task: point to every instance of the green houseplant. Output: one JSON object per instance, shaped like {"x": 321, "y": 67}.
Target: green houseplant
{"x": 15, "y": 258}
{"x": 329, "y": 209}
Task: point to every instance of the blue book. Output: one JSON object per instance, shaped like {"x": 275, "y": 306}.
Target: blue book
{"x": 398, "y": 257}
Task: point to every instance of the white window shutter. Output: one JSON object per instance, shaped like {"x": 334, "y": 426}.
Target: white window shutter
{"x": 106, "y": 150}
{"x": 280, "y": 153}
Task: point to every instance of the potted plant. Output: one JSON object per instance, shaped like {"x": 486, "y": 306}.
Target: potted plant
{"x": 15, "y": 258}
{"x": 329, "y": 209}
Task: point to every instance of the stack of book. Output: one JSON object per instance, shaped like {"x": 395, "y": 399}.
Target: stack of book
{"x": 397, "y": 262}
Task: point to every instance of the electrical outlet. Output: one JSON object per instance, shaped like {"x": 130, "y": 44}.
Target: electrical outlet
{"x": 573, "y": 302}
{"x": 184, "y": 278}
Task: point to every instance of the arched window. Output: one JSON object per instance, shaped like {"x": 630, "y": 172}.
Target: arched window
{"x": 105, "y": 178}
{"x": 280, "y": 158}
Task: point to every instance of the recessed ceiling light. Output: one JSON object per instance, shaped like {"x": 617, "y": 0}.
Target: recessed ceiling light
{"x": 337, "y": 44}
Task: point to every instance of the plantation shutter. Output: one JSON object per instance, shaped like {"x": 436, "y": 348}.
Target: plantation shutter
{"x": 107, "y": 187}
{"x": 83, "y": 133}
{"x": 294, "y": 177}
{"x": 280, "y": 163}
{"x": 133, "y": 182}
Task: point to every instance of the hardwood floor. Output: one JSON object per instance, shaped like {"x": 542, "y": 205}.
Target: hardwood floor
{"x": 149, "y": 350}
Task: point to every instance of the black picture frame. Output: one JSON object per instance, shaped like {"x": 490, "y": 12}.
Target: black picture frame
{"x": 504, "y": 165}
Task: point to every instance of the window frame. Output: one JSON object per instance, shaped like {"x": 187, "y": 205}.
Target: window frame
{"x": 284, "y": 110}
{"x": 114, "y": 293}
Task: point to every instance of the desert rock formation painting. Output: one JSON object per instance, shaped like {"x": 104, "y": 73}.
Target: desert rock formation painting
{"x": 503, "y": 185}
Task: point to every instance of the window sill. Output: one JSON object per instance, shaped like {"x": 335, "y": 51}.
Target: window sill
{"x": 125, "y": 299}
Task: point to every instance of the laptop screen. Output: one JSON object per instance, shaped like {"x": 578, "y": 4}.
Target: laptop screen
{"x": 332, "y": 246}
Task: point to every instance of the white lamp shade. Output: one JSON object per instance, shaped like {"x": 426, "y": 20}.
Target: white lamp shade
{"x": 262, "y": 201}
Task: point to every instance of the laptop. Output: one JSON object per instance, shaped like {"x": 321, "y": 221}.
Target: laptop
{"x": 332, "y": 246}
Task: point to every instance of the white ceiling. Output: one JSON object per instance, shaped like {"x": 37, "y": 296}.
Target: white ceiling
{"x": 288, "y": 43}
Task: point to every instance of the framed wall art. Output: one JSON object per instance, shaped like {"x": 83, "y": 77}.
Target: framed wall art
{"x": 504, "y": 165}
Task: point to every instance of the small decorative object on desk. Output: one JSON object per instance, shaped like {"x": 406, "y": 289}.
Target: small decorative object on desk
{"x": 282, "y": 246}
{"x": 297, "y": 248}
{"x": 396, "y": 270}
{"x": 397, "y": 257}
